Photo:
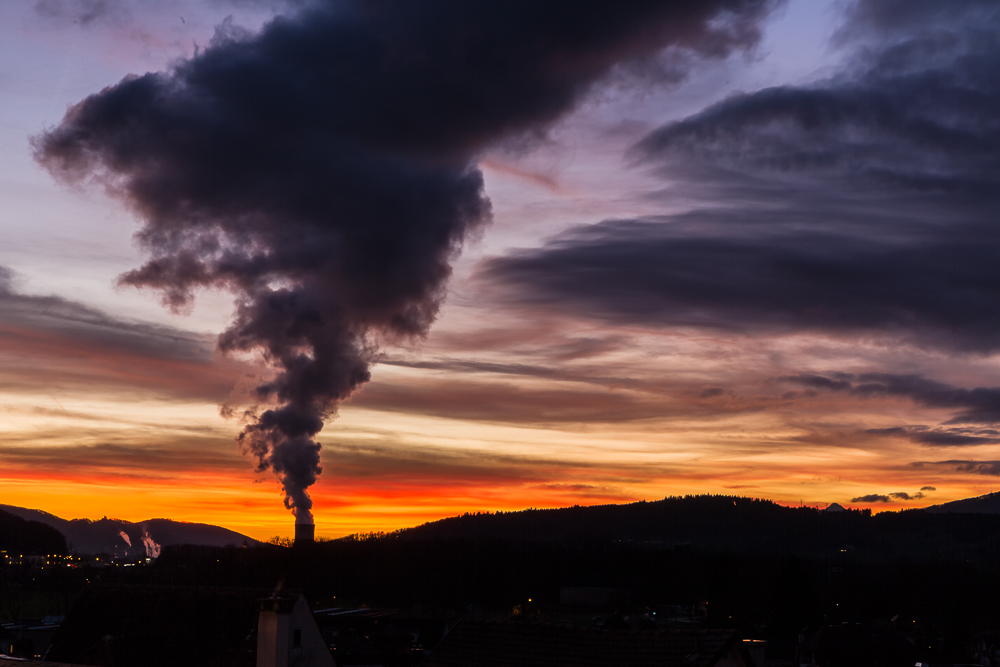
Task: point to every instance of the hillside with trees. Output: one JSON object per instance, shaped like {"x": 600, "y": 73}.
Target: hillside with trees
{"x": 22, "y": 537}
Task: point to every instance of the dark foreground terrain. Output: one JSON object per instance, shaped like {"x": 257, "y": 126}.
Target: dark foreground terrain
{"x": 909, "y": 586}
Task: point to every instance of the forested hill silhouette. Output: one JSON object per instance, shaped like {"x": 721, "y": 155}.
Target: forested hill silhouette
{"x": 674, "y": 519}
{"x": 22, "y": 537}
{"x": 988, "y": 504}
{"x": 732, "y": 523}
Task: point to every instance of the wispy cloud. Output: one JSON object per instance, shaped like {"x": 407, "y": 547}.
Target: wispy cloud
{"x": 49, "y": 342}
{"x": 989, "y": 468}
{"x": 858, "y": 206}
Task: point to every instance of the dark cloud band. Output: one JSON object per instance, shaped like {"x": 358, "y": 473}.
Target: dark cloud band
{"x": 980, "y": 405}
{"x": 861, "y": 205}
{"x": 671, "y": 273}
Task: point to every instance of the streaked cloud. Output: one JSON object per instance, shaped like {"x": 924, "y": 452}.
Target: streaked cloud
{"x": 990, "y": 468}
{"x": 861, "y": 205}
{"x": 48, "y": 342}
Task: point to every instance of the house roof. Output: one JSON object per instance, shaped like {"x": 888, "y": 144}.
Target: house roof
{"x": 507, "y": 644}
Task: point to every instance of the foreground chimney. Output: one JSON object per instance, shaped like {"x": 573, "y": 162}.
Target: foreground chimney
{"x": 305, "y": 533}
{"x": 287, "y": 635}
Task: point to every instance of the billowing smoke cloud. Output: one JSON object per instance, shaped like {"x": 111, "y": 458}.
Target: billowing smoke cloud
{"x": 324, "y": 169}
{"x": 864, "y": 204}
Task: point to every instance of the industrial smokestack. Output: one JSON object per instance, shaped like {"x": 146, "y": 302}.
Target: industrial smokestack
{"x": 305, "y": 533}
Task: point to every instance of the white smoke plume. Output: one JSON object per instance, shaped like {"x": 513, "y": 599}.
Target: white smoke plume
{"x": 152, "y": 548}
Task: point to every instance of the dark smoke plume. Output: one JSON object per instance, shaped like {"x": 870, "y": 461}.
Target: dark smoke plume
{"x": 324, "y": 170}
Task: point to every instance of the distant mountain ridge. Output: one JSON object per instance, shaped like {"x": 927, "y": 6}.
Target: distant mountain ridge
{"x": 988, "y": 504}
{"x": 671, "y": 521}
{"x": 122, "y": 539}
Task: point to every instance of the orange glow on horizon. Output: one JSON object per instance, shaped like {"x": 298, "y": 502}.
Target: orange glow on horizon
{"x": 342, "y": 506}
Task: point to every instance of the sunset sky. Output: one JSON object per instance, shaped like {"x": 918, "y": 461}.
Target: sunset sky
{"x": 748, "y": 248}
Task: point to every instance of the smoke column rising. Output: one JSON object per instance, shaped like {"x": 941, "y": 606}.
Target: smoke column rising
{"x": 152, "y": 548}
{"x": 324, "y": 170}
